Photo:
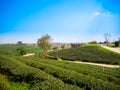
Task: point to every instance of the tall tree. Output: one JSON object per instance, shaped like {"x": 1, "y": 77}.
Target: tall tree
{"x": 45, "y": 43}
{"x": 107, "y": 37}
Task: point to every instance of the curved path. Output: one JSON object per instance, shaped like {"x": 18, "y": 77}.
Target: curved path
{"x": 104, "y": 65}
{"x": 29, "y": 54}
{"x": 112, "y": 49}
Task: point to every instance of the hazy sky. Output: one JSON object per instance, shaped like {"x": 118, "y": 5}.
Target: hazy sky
{"x": 64, "y": 20}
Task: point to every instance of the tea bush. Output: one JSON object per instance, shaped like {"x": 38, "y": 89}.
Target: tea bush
{"x": 109, "y": 74}
{"x": 88, "y": 53}
{"x": 72, "y": 77}
{"x": 22, "y": 72}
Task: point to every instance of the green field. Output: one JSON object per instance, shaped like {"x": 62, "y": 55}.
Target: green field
{"x": 88, "y": 53}
{"x": 11, "y": 48}
{"x": 32, "y": 73}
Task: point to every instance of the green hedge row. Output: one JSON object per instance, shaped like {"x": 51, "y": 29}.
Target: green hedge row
{"x": 38, "y": 79}
{"x": 6, "y": 84}
{"x": 109, "y": 74}
{"x": 10, "y": 49}
{"x": 72, "y": 77}
{"x": 88, "y": 54}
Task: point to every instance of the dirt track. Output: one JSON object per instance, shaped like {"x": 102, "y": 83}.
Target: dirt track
{"x": 30, "y": 54}
{"x": 104, "y": 65}
{"x": 112, "y": 49}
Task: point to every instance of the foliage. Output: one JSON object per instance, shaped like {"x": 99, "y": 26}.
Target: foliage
{"x": 73, "y": 45}
{"x": 116, "y": 43}
{"x": 109, "y": 74}
{"x": 44, "y": 43}
{"x": 63, "y": 46}
{"x": 89, "y": 53}
{"x": 93, "y": 42}
{"x": 19, "y": 43}
{"x": 6, "y": 84}
{"x": 10, "y": 49}
{"x": 33, "y": 73}
{"x": 37, "y": 79}
{"x": 55, "y": 48}
{"x": 107, "y": 38}
{"x": 21, "y": 51}
{"x": 72, "y": 77}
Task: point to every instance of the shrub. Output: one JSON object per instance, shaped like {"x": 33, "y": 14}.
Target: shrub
{"x": 116, "y": 43}
{"x": 4, "y": 84}
{"x": 93, "y": 42}
{"x": 94, "y": 71}
{"x": 21, "y": 51}
{"x": 91, "y": 53}
{"x": 72, "y": 77}
{"x": 55, "y": 48}
{"x": 39, "y": 79}
{"x": 8, "y": 52}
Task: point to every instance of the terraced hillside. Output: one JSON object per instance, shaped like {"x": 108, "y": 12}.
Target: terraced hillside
{"x": 32, "y": 73}
{"x": 89, "y": 53}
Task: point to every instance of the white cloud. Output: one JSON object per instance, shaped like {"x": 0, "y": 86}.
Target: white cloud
{"x": 97, "y": 13}
{"x": 102, "y": 14}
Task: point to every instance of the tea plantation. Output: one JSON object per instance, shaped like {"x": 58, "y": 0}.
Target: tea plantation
{"x": 10, "y": 49}
{"x": 33, "y": 73}
{"x": 88, "y": 53}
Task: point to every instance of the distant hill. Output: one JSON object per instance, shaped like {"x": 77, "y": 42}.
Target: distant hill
{"x": 89, "y": 53}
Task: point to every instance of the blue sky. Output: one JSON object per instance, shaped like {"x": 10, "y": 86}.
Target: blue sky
{"x": 64, "y": 20}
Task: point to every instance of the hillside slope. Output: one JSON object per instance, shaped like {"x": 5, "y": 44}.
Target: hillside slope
{"x": 33, "y": 73}
{"x": 89, "y": 53}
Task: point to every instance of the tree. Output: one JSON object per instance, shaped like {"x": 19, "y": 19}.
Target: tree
{"x": 19, "y": 43}
{"x": 107, "y": 38}
{"x": 63, "y": 46}
{"x": 93, "y": 42}
{"x": 116, "y": 43}
{"x": 45, "y": 43}
{"x": 73, "y": 45}
{"x": 21, "y": 51}
{"x": 119, "y": 40}
{"x": 55, "y": 48}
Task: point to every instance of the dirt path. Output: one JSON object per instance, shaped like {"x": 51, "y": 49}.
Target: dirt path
{"x": 104, "y": 65}
{"x": 112, "y": 49}
{"x": 29, "y": 54}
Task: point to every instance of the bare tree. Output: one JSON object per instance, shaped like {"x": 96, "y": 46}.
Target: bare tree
{"x": 107, "y": 37}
